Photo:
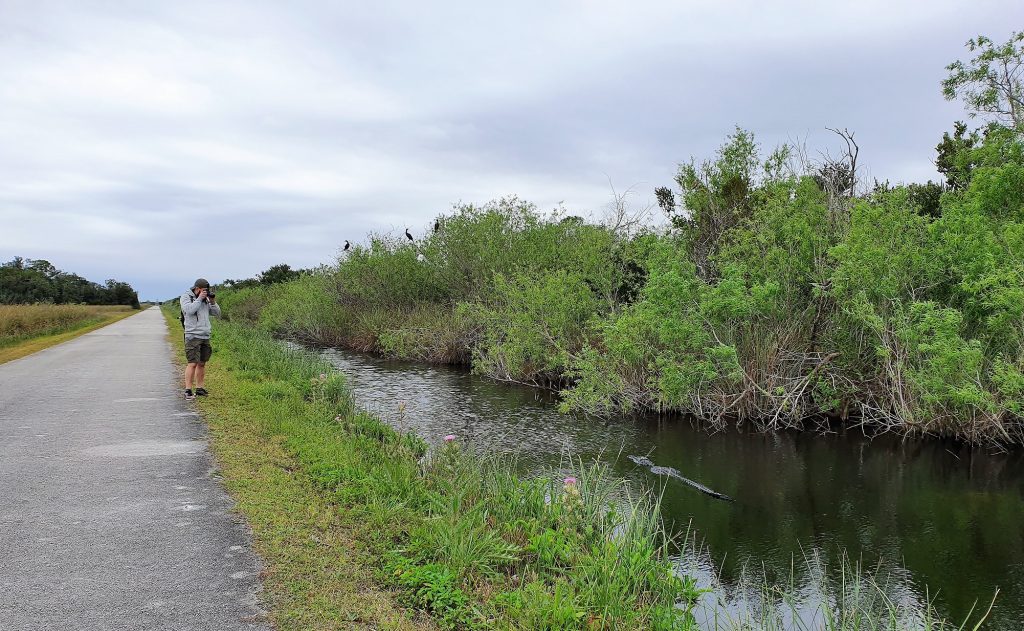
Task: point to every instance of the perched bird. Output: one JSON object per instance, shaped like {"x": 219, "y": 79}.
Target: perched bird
{"x": 407, "y": 235}
{"x": 347, "y": 245}
{"x": 437, "y": 225}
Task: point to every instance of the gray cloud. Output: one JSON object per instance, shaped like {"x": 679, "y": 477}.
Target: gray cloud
{"x": 156, "y": 142}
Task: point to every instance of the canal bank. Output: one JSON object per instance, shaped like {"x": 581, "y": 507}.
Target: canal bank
{"x": 363, "y": 527}
{"x": 411, "y": 537}
{"x": 929, "y": 516}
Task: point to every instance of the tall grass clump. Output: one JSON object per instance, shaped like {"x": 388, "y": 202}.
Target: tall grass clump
{"x": 575, "y": 553}
{"x": 23, "y": 322}
{"x": 847, "y": 599}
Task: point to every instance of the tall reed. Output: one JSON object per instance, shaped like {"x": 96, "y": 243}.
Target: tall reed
{"x": 21, "y": 322}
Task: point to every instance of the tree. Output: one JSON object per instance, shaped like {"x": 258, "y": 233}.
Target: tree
{"x": 121, "y": 293}
{"x": 837, "y": 176}
{"x": 28, "y": 281}
{"x": 45, "y": 268}
{"x": 715, "y": 197}
{"x": 925, "y": 198}
{"x": 666, "y": 199}
{"x": 240, "y": 283}
{"x": 992, "y": 83}
{"x": 280, "y": 273}
{"x": 954, "y": 156}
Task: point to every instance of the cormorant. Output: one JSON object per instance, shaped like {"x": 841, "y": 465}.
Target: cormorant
{"x": 407, "y": 235}
{"x": 347, "y": 245}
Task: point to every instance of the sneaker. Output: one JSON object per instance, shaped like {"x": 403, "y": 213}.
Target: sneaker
{"x": 201, "y": 392}
{"x": 188, "y": 394}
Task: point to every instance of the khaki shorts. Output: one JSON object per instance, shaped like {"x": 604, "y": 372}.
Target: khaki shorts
{"x": 197, "y": 350}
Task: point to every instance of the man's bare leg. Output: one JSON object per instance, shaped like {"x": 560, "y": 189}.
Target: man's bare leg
{"x": 190, "y": 371}
{"x": 200, "y": 374}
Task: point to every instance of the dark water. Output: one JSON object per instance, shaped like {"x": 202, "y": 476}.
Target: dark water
{"x": 921, "y": 513}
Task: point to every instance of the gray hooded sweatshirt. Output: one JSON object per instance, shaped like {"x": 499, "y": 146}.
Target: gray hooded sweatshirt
{"x": 197, "y": 316}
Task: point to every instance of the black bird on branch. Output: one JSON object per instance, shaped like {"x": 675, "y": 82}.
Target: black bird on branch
{"x": 347, "y": 245}
{"x": 408, "y": 236}
{"x": 437, "y": 225}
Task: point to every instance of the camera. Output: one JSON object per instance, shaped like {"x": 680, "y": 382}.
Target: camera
{"x": 210, "y": 294}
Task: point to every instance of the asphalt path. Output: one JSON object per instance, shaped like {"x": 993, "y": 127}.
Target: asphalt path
{"x": 112, "y": 515}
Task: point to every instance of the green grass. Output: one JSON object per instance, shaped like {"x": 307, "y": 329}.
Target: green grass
{"x": 363, "y": 527}
{"x": 26, "y": 329}
{"x": 317, "y": 573}
{"x": 453, "y": 534}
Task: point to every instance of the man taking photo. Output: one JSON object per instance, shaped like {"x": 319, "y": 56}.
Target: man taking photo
{"x": 197, "y": 305}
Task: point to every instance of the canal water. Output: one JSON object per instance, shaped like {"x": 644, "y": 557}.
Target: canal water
{"x": 927, "y": 518}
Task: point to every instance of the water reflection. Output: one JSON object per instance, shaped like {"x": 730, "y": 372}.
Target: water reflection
{"x": 954, "y": 518}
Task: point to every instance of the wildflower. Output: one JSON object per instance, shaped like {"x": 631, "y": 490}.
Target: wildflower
{"x": 449, "y": 438}
{"x": 323, "y": 377}
{"x": 571, "y": 498}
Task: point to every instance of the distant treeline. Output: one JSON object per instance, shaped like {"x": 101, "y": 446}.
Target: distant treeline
{"x": 27, "y": 281}
{"x": 273, "y": 275}
{"x": 281, "y": 273}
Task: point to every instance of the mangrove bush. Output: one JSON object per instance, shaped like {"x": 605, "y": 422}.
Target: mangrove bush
{"x": 782, "y": 291}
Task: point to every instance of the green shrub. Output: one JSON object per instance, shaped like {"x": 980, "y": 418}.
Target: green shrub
{"x": 304, "y": 309}
{"x": 658, "y": 352}
{"x": 779, "y": 295}
{"x": 530, "y": 326}
{"x": 465, "y": 538}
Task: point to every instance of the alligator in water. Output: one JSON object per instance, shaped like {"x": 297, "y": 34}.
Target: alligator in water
{"x": 643, "y": 461}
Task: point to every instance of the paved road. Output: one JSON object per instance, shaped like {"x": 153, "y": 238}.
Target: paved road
{"x": 111, "y": 514}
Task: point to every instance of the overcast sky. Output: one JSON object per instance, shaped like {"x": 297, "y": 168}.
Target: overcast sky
{"x": 155, "y": 142}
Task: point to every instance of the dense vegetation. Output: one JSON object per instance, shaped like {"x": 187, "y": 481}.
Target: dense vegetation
{"x": 26, "y": 329}
{"x": 784, "y": 292}
{"x": 462, "y": 536}
{"x": 21, "y": 322}
{"x": 280, "y": 273}
{"x": 459, "y": 535}
{"x": 26, "y": 281}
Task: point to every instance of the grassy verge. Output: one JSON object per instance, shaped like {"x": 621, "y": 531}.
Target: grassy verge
{"x": 317, "y": 575}
{"x": 351, "y": 516}
{"x": 363, "y": 527}
{"x": 42, "y": 330}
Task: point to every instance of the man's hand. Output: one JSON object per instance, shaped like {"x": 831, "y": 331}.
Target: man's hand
{"x": 202, "y": 294}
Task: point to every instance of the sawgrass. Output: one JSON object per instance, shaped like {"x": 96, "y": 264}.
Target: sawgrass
{"x": 26, "y": 329}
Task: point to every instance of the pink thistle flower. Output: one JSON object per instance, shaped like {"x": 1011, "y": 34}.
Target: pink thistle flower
{"x": 449, "y": 438}
{"x": 570, "y": 481}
